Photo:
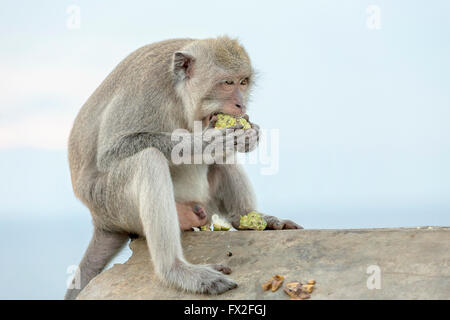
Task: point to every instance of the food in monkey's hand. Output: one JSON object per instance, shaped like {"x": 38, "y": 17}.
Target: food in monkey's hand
{"x": 254, "y": 221}
{"x": 220, "y": 224}
{"x": 274, "y": 283}
{"x": 228, "y": 121}
{"x": 206, "y": 227}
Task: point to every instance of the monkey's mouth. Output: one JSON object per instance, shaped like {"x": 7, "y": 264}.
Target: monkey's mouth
{"x": 219, "y": 112}
{"x": 212, "y": 118}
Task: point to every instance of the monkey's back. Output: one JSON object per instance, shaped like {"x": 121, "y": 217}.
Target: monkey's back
{"x": 109, "y": 109}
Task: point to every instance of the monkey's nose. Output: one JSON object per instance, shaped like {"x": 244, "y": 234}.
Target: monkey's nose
{"x": 238, "y": 105}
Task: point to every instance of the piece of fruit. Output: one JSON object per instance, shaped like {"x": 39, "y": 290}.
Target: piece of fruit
{"x": 274, "y": 283}
{"x": 298, "y": 291}
{"x": 293, "y": 289}
{"x": 308, "y": 287}
{"x": 228, "y": 121}
{"x": 220, "y": 224}
{"x": 277, "y": 280}
{"x": 253, "y": 221}
{"x": 267, "y": 285}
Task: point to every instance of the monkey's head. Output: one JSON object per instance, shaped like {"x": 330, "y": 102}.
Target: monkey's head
{"x": 213, "y": 76}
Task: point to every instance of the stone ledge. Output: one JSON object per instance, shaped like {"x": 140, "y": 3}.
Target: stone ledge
{"x": 414, "y": 264}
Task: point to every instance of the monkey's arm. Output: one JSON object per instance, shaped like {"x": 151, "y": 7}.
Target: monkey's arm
{"x": 130, "y": 144}
{"x": 127, "y": 145}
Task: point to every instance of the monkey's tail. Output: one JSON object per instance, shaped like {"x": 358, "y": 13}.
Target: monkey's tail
{"x": 103, "y": 247}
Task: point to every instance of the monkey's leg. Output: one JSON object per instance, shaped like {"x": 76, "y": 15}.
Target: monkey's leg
{"x": 233, "y": 194}
{"x": 155, "y": 201}
{"x": 102, "y": 248}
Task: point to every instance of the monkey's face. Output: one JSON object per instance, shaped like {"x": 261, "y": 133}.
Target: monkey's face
{"x": 213, "y": 76}
{"x": 228, "y": 95}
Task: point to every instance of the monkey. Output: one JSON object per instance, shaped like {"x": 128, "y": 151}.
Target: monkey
{"x": 120, "y": 156}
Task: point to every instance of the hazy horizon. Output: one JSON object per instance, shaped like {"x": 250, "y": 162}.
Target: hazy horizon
{"x": 362, "y": 107}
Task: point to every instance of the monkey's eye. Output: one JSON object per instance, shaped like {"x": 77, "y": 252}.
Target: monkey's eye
{"x": 244, "y": 82}
{"x": 229, "y": 82}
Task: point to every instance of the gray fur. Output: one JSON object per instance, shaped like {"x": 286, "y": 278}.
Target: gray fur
{"x": 119, "y": 156}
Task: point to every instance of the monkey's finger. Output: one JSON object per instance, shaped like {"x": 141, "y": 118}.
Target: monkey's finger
{"x": 206, "y": 121}
{"x": 246, "y": 145}
{"x": 232, "y": 133}
{"x": 288, "y": 224}
{"x": 249, "y": 147}
{"x": 277, "y": 225}
{"x": 255, "y": 126}
{"x": 245, "y": 116}
{"x": 255, "y": 131}
{"x": 231, "y": 138}
{"x": 239, "y": 132}
{"x": 252, "y": 132}
{"x": 212, "y": 121}
{"x": 273, "y": 223}
{"x": 248, "y": 142}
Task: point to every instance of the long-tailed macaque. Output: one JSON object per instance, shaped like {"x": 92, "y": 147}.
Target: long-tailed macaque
{"x": 120, "y": 155}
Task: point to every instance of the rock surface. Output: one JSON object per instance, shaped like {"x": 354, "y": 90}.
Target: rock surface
{"x": 414, "y": 264}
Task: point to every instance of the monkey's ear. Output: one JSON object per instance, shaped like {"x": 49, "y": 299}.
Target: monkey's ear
{"x": 183, "y": 64}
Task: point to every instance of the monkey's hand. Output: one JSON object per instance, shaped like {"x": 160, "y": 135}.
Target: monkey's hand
{"x": 221, "y": 143}
{"x": 273, "y": 223}
{"x": 236, "y": 138}
{"x": 250, "y": 139}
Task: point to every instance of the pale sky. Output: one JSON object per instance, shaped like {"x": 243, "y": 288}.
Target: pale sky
{"x": 363, "y": 112}
{"x": 361, "y": 102}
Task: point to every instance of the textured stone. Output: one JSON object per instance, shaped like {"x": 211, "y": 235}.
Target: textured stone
{"x": 414, "y": 264}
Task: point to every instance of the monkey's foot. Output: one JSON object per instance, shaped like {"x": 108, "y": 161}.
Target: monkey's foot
{"x": 199, "y": 279}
